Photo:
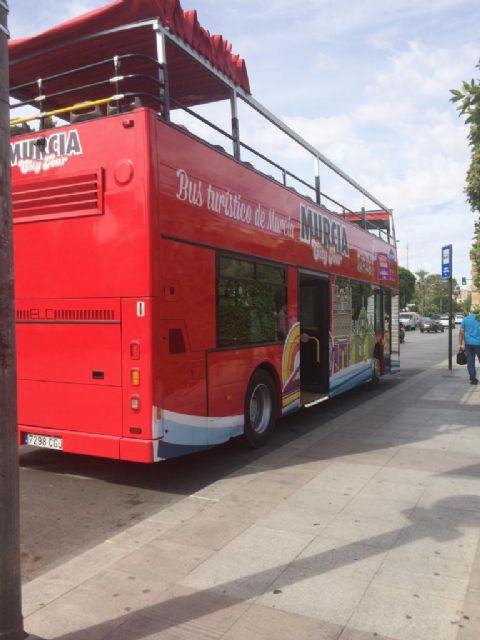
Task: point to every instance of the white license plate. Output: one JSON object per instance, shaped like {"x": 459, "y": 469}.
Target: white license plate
{"x": 48, "y": 442}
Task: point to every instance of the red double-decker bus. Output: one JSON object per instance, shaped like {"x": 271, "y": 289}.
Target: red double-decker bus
{"x": 171, "y": 294}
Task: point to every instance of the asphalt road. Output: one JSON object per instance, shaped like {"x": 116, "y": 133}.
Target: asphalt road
{"x": 70, "y": 503}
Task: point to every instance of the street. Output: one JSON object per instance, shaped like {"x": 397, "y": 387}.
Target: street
{"x": 70, "y": 503}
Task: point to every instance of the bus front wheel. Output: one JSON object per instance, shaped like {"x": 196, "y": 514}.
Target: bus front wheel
{"x": 260, "y": 409}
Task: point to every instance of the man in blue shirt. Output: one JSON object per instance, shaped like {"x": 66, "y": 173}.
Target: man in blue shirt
{"x": 469, "y": 339}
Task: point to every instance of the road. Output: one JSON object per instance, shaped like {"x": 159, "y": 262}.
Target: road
{"x": 71, "y": 503}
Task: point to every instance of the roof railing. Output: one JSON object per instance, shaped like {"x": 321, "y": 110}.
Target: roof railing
{"x": 159, "y": 99}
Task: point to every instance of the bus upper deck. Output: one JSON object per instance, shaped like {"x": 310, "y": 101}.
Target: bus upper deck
{"x": 172, "y": 65}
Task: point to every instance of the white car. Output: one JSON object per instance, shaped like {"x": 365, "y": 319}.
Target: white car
{"x": 409, "y": 320}
{"x": 458, "y": 318}
{"x": 444, "y": 321}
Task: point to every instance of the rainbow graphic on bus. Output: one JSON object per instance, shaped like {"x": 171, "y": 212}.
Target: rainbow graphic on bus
{"x": 291, "y": 370}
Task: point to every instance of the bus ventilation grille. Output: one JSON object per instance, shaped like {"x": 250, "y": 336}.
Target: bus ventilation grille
{"x": 66, "y": 315}
{"x": 70, "y": 196}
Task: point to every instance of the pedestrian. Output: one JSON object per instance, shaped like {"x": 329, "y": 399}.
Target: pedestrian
{"x": 469, "y": 340}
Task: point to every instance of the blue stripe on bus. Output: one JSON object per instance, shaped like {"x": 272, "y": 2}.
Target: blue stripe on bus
{"x": 350, "y": 378}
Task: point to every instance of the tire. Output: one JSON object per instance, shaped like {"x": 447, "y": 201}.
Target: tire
{"x": 261, "y": 409}
{"x": 422, "y": 330}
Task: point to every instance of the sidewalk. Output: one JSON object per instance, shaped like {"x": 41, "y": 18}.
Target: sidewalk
{"x": 366, "y": 527}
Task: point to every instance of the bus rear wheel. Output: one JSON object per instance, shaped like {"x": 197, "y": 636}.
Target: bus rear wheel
{"x": 261, "y": 409}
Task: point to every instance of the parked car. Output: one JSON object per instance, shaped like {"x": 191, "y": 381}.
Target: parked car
{"x": 431, "y": 325}
{"x": 458, "y": 318}
{"x": 409, "y": 319}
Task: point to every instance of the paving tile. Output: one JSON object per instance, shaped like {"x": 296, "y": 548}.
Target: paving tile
{"x": 469, "y": 618}
{"x": 378, "y": 457}
{"x": 446, "y": 540}
{"x": 364, "y": 529}
{"x": 163, "y": 559}
{"x": 350, "y": 633}
{"x": 424, "y": 460}
{"x": 391, "y": 473}
{"x": 366, "y": 506}
{"x": 214, "y": 527}
{"x": 184, "y": 614}
{"x": 411, "y": 579}
{"x": 410, "y": 558}
{"x": 327, "y": 581}
{"x": 294, "y": 516}
{"x": 265, "y": 623}
{"x": 248, "y": 565}
{"x": 398, "y": 492}
{"x": 225, "y": 486}
{"x": 342, "y": 476}
{"x": 104, "y": 599}
{"x": 330, "y": 500}
{"x": 389, "y": 612}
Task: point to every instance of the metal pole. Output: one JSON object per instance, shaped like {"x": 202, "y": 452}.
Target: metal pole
{"x": 318, "y": 193}
{"x": 163, "y": 72}
{"x": 235, "y": 125}
{"x": 450, "y": 314}
{"x": 11, "y": 623}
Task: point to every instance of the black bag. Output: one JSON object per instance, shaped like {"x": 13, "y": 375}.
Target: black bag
{"x": 461, "y": 357}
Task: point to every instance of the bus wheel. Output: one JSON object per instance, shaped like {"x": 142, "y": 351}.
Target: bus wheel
{"x": 260, "y": 409}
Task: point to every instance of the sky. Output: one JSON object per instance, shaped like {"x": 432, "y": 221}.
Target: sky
{"x": 367, "y": 83}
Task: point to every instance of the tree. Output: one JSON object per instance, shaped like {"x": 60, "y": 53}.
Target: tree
{"x": 468, "y": 105}
{"x": 466, "y": 304}
{"x": 421, "y": 291}
{"x": 432, "y": 293}
{"x": 407, "y": 286}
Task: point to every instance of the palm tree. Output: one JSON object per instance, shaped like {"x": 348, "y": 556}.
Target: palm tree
{"x": 422, "y": 288}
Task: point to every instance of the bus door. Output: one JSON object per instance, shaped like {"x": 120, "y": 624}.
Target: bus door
{"x": 314, "y": 336}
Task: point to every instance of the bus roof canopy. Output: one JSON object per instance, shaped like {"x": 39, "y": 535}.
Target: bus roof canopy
{"x": 100, "y": 35}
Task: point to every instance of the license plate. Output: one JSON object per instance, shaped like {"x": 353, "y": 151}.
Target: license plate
{"x": 47, "y": 442}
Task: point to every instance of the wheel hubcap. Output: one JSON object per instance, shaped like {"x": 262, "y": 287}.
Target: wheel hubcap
{"x": 260, "y": 408}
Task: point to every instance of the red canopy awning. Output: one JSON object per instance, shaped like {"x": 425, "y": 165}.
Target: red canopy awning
{"x": 70, "y": 44}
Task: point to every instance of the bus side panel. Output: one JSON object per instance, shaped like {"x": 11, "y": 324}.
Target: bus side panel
{"x": 229, "y": 372}
{"x": 187, "y": 326}
{"x": 184, "y": 330}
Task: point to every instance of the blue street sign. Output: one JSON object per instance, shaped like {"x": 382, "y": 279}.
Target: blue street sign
{"x": 447, "y": 261}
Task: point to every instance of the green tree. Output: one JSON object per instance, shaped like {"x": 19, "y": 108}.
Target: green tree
{"x": 421, "y": 290}
{"x": 407, "y": 286}
{"x": 468, "y": 105}
{"x": 466, "y": 304}
{"x": 432, "y": 293}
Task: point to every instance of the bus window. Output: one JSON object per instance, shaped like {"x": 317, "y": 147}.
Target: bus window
{"x": 251, "y": 300}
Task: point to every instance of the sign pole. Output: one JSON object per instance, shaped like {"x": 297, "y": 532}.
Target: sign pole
{"x": 450, "y": 315}
{"x": 447, "y": 275}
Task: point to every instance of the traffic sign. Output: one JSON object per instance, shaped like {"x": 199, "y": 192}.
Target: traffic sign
{"x": 447, "y": 261}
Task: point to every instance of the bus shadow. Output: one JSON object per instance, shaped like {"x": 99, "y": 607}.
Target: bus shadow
{"x": 189, "y": 474}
